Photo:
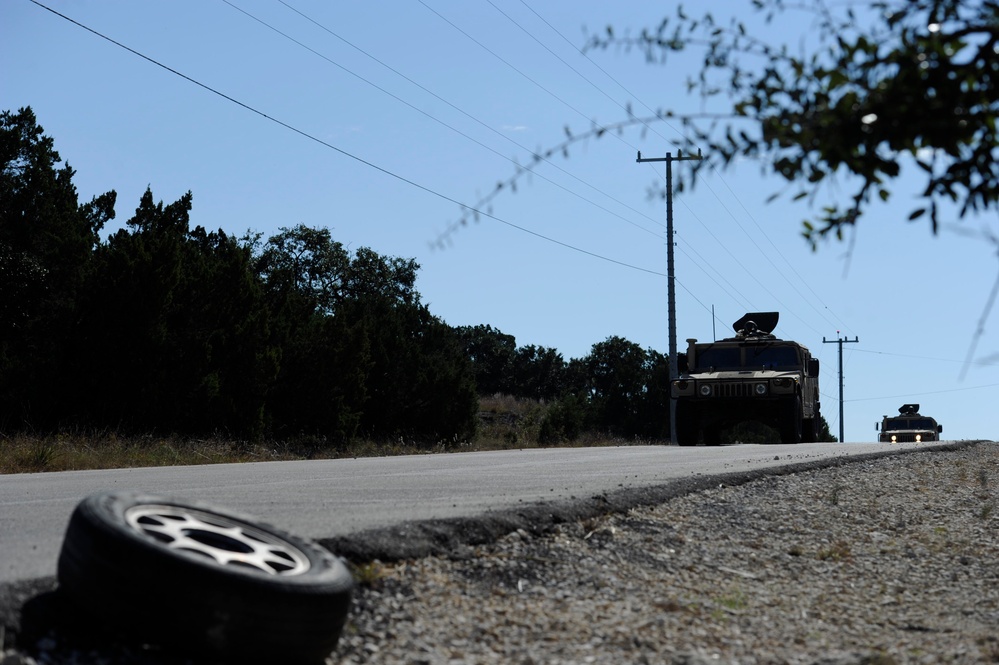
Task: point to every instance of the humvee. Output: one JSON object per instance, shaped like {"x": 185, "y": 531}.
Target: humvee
{"x": 909, "y": 426}
{"x": 751, "y": 376}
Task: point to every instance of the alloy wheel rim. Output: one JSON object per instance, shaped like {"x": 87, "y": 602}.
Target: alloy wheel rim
{"x": 227, "y": 542}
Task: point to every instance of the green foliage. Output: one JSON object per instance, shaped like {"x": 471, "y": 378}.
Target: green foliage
{"x": 618, "y": 389}
{"x": 824, "y": 434}
{"x": 164, "y": 328}
{"x": 565, "y": 420}
{"x": 46, "y": 245}
{"x": 539, "y": 372}
{"x": 627, "y": 389}
{"x": 492, "y": 355}
{"x": 895, "y": 83}
{"x": 304, "y": 270}
{"x": 361, "y": 355}
{"x": 501, "y": 367}
{"x": 172, "y": 330}
{"x": 877, "y": 87}
{"x": 750, "y": 432}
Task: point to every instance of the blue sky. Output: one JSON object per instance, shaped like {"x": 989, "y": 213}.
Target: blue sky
{"x": 378, "y": 120}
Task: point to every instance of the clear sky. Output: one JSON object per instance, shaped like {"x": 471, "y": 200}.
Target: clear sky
{"x": 379, "y": 120}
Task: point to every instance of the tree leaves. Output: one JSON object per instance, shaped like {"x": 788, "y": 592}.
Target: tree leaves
{"x": 875, "y": 86}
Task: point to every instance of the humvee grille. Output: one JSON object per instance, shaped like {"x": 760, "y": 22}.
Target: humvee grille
{"x": 737, "y": 389}
{"x": 910, "y": 437}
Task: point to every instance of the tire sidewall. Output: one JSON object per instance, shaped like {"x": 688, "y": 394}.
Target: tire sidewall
{"x": 141, "y": 588}
{"x": 792, "y": 428}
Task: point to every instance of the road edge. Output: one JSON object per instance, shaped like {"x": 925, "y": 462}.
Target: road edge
{"x": 455, "y": 537}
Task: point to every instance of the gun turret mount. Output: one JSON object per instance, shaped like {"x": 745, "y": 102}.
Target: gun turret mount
{"x": 754, "y": 323}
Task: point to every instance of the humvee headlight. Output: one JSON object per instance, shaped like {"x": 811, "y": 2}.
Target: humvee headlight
{"x": 894, "y": 439}
{"x": 782, "y": 385}
{"x": 705, "y": 390}
{"x": 919, "y": 438}
{"x": 760, "y": 389}
{"x": 682, "y": 388}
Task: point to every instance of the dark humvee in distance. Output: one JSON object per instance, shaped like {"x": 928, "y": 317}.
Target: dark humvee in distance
{"x": 909, "y": 426}
{"x": 751, "y": 376}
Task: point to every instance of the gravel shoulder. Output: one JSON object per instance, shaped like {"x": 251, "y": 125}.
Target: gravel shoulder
{"x": 892, "y": 559}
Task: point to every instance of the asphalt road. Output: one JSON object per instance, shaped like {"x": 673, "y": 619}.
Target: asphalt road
{"x": 324, "y": 499}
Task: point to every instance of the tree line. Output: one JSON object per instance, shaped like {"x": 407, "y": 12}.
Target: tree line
{"x": 165, "y": 328}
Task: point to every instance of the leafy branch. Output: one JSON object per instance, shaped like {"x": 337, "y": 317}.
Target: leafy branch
{"x": 899, "y": 83}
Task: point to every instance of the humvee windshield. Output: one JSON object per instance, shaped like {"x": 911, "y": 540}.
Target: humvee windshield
{"x": 720, "y": 357}
{"x": 731, "y": 357}
{"x": 909, "y": 423}
{"x": 772, "y": 356}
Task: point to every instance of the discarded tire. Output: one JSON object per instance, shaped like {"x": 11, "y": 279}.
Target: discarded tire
{"x": 191, "y": 577}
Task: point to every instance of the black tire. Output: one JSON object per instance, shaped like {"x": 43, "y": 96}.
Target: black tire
{"x": 191, "y": 577}
{"x": 686, "y": 424}
{"x": 712, "y": 435}
{"x": 810, "y": 431}
{"x": 792, "y": 423}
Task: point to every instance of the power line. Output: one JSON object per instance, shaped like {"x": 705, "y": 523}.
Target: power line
{"x": 428, "y": 115}
{"x": 323, "y": 27}
{"x": 475, "y": 209}
{"x": 482, "y": 202}
{"x": 504, "y": 61}
{"x": 647, "y": 125}
{"x": 623, "y": 107}
{"x": 939, "y": 360}
{"x": 511, "y": 66}
{"x": 791, "y": 311}
{"x": 931, "y": 392}
{"x": 605, "y": 73}
{"x": 341, "y": 151}
{"x": 650, "y": 127}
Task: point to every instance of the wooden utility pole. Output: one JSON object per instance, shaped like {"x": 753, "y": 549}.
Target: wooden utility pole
{"x": 670, "y": 286}
{"x": 841, "y": 341}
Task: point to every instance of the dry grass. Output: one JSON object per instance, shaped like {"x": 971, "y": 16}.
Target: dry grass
{"x": 504, "y": 423}
{"x": 30, "y": 453}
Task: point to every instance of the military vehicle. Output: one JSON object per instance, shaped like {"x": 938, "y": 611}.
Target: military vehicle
{"x": 752, "y": 376}
{"x": 909, "y": 426}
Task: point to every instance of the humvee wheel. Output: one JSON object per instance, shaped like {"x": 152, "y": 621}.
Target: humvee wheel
{"x": 712, "y": 435}
{"x": 792, "y": 424}
{"x": 686, "y": 425}
{"x": 810, "y": 430}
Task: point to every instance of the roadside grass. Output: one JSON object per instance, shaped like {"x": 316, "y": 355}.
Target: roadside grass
{"x": 504, "y": 423}
{"x": 367, "y": 574}
{"x": 33, "y": 453}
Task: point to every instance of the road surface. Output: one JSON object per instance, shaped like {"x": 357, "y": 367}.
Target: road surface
{"x": 324, "y": 499}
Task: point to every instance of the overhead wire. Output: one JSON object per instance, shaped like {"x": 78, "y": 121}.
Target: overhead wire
{"x": 835, "y": 321}
{"x": 425, "y": 113}
{"x": 765, "y": 235}
{"x": 527, "y": 77}
{"x": 608, "y": 96}
{"x": 920, "y": 394}
{"x": 527, "y": 32}
{"x": 939, "y": 360}
{"x": 422, "y": 87}
{"x": 317, "y": 23}
{"x": 535, "y": 155}
{"x": 372, "y": 165}
{"x": 514, "y": 68}
{"x": 341, "y": 151}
